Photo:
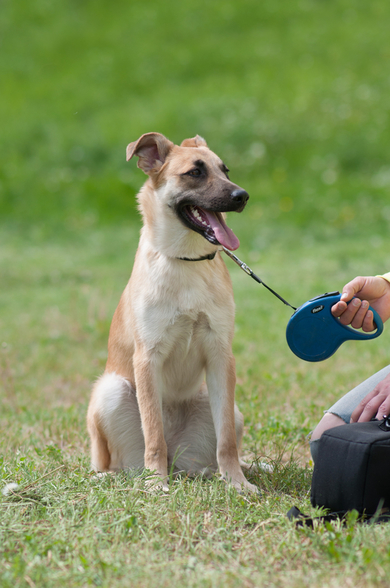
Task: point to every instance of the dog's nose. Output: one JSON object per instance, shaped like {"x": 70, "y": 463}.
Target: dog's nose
{"x": 239, "y": 196}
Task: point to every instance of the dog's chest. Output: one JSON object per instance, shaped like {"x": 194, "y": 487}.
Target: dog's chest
{"x": 180, "y": 324}
{"x": 180, "y": 347}
{"x": 182, "y": 306}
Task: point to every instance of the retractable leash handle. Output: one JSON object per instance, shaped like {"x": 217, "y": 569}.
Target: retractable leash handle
{"x": 313, "y": 333}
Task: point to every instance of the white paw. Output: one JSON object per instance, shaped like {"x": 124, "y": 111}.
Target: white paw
{"x": 265, "y": 467}
{"x": 242, "y": 485}
{"x": 246, "y": 487}
{"x": 10, "y": 488}
{"x": 156, "y": 483}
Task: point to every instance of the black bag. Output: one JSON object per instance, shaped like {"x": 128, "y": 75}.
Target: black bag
{"x": 352, "y": 470}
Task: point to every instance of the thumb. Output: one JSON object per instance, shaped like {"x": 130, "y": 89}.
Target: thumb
{"x": 352, "y": 288}
{"x": 347, "y": 294}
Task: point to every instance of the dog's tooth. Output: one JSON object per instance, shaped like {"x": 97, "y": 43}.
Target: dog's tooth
{"x": 195, "y": 212}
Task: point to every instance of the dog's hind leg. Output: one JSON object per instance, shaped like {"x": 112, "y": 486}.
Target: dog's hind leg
{"x": 190, "y": 435}
{"x": 100, "y": 456}
{"x": 114, "y": 425}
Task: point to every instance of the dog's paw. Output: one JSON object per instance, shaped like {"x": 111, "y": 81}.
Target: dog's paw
{"x": 155, "y": 483}
{"x": 10, "y": 488}
{"x": 257, "y": 466}
{"x": 241, "y": 484}
{"x": 247, "y": 487}
{"x": 263, "y": 466}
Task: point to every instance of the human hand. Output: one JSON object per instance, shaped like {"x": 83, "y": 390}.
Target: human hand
{"x": 374, "y": 291}
{"x": 375, "y": 404}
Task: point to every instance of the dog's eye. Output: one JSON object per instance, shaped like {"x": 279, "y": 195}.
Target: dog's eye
{"x": 195, "y": 173}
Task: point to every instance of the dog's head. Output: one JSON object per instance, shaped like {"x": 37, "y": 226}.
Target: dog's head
{"x": 193, "y": 182}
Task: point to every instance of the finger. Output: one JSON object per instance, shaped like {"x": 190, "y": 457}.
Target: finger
{"x": 359, "y": 317}
{"x": 356, "y": 413}
{"x": 350, "y": 312}
{"x": 384, "y": 409}
{"x": 347, "y": 294}
{"x": 352, "y": 288}
{"x": 368, "y": 323}
{"x": 370, "y": 410}
{"x": 339, "y": 308}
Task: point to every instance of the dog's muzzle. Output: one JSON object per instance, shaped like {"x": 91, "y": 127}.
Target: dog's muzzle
{"x": 206, "y": 216}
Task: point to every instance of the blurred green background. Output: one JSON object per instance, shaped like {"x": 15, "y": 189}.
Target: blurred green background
{"x": 293, "y": 95}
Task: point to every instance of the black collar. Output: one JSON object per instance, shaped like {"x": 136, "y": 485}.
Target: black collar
{"x": 210, "y": 256}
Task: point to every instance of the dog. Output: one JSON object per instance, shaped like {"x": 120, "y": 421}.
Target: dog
{"x": 166, "y": 399}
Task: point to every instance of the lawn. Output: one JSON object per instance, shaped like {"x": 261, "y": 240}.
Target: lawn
{"x": 293, "y": 97}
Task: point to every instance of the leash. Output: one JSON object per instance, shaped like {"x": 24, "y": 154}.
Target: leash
{"x": 244, "y": 267}
{"x": 312, "y": 333}
{"x": 250, "y": 273}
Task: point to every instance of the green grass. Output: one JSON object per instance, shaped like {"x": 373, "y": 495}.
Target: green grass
{"x": 294, "y": 97}
{"x": 65, "y": 527}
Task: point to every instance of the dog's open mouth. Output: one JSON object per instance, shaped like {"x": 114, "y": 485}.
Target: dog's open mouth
{"x": 209, "y": 224}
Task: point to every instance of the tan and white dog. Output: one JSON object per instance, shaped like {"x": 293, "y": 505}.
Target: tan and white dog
{"x": 166, "y": 398}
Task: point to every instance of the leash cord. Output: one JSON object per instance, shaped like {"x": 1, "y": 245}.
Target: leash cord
{"x": 250, "y": 273}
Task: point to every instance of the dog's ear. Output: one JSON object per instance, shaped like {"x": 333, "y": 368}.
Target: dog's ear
{"x": 194, "y": 142}
{"x": 152, "y": 150}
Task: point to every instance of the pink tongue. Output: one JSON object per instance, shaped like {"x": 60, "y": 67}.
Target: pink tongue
{"x": 223, "y": 234}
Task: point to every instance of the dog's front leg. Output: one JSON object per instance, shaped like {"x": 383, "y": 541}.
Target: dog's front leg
{"x": 150, "y": 407}
{"x": 221, "y": 382}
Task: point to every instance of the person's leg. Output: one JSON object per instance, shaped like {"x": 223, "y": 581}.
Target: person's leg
{"x": 340, "y": 412}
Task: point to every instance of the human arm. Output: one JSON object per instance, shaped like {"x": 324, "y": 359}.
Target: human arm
{"x": 375, "y": 292}
{"x": 375, "y": 404}
{"x": 366, "y": 291}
